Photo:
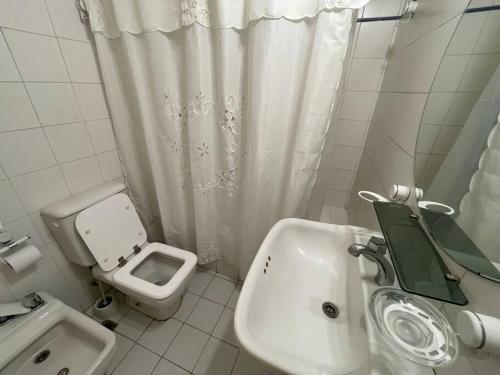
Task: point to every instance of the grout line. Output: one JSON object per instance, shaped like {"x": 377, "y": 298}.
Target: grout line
{"x": 48, "y": 35}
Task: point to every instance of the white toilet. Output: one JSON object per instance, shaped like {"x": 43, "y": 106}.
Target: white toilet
{"x": 101, "y": 226}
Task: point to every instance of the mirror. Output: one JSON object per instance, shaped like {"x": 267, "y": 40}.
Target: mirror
{"x": 457, "y": 161}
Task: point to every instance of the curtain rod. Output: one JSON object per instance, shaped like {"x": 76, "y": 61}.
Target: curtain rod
{"x": 395, "y": 18}
{"x": 482, "y": 9}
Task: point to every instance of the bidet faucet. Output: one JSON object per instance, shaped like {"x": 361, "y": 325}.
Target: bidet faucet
{"x": 10, "y": 310}
{"x": 375, "y": 251}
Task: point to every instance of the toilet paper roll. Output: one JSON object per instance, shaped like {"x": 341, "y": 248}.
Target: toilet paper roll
{"x": 21, "y": 258}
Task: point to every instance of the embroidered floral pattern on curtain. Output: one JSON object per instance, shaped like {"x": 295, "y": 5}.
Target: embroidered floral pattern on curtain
{"x": 220, "y": 109}
{"x": 228, "y": 116}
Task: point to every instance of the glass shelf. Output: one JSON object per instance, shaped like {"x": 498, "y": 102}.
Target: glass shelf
{"x": 418, "y": 265}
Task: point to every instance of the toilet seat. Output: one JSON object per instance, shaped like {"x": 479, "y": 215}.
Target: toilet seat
{"x": 124, "y": 277}
{"x": 114, "y": 234}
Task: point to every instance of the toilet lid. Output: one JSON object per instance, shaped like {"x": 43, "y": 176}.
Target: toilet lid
{"x": 111, "y": 229}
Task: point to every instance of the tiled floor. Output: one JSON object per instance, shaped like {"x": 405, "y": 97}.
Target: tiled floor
{"x": 199, "y": 339}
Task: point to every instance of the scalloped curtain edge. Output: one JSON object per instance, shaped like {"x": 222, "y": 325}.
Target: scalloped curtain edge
{"x": 165, "y": 29}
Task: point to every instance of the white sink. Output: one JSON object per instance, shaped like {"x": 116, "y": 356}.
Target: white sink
{"x": 57, "y": 337}
{"x": 279, "y": 317}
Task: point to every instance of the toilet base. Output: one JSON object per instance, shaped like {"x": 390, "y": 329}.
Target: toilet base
{"x": 154, "y": 312}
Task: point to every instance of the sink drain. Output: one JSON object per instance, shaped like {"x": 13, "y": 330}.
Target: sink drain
{"x": 63, "y": 371}
{"x": 42, "y": 356}
{"x": 330, "y": 310}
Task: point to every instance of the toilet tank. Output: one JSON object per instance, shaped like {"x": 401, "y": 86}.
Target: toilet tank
{"x": 60, "y": 218}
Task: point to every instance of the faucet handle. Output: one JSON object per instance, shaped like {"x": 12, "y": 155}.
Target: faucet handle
{"x": 32, "y": 301}
{"x": 377, "y": 244}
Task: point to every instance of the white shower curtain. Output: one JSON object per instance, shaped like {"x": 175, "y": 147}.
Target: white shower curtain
{"x": 220, "y": 109}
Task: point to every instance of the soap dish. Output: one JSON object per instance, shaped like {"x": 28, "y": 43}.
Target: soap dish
{"x": 413, "y": 327}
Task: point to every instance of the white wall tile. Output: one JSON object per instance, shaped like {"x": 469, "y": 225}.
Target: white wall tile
{"x": 92, "y": 101}
{"x": 374, "y": 39}
{"x": 55, "y": 103}
{"x": 82, "y": 174}
{"x": 445, "y": 140}
{"x": 35, "y": 57}
{"x": 450, "y": 73}
{"x": 488, "y": 41}
{"x": 479, "y": 72}
{"x": 437, "y": 106}
{"x": 101, "y": 134}
{"x": 390, "y": 162}
{"x": 66, "y": 20}
{"x": 460, "y": 108}
{"x": 426, "y": 137}
{"x": 11, "y": 206}
{"x": 465, "y": 36}
{"x": 8, "y": 70}
{"x": 39, "y": 189}
{"x": 351, "y": 133}
{"x": 29, "y": 15}
{"x": 398, "y": 115}
{"x": 430, "y": 15}
{"x": 110, "y": 165}
{"x": 38, "y": 57}
{"x": 41, "y": 227}
{"x": 335, "y": 198}
{"x": 25, "y": 151}
{"x": 69, "y": 142}
{"x": 357, "y": 106}
{"x": 340, "y": 179}
{"x": 80, "y": 60}
{"x": 365, "y": 74}
{"x": 408, "y": 71}
{"x": 16, "y": 111}
{"x": 345, "y": 157}
{"x": 382, "y": 8}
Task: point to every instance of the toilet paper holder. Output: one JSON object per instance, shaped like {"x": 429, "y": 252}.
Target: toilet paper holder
{"x": 11, "y": 244}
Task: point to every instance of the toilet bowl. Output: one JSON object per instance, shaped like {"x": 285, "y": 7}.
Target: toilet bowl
{"x": 153, "y": 276}
{"x": 153, "y": 280}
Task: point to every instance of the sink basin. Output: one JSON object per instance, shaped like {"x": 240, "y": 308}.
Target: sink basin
{"x": 53, "y": 338}
{"x": 279, "y": 318}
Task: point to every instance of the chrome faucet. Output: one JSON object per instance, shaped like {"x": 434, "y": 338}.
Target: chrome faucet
{"x": 375, "y": 251}
{"x": 9, "y": 311}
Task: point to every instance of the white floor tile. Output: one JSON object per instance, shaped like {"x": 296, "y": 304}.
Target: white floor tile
{"x": 246, "y": 364}
{"x": 224, "y": 329}
{"x": 168, "y": 368}
{"x": 217, "y": 359}
{"x": 234, "y": 297}
{"x": 137, "y": 361}
{"x": 133, "y": 324}
{"x": 159, "y": 334}
{"x": 219, "y": 290}
{"x": 200, "y": 281}
{"x": 187, "y": 347}
{"x": 189, "y": 300}
{"x": 205, "y": 315}
{"x": 123, "y": 345}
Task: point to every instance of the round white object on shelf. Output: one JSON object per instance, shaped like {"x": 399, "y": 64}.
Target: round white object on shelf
{"x": 479, "y": 331}
{"x": 399, "y": 193}
{"x": 436, "y": 207}
{"x": 371, "y": 197}
{"x": 419, "y": 193}
{"x": 471, "y": 329}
